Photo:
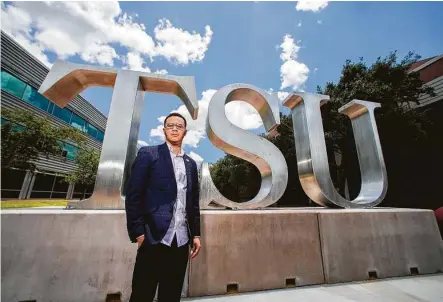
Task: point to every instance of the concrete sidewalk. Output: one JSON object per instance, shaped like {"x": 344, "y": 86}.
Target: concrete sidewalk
{"x": 419, "y": 288}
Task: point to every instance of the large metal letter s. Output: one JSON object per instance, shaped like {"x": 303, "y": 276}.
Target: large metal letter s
{"x": 312, "y": 158}
{"x": 66, "y": 80}
{"x": 248, "y": 146}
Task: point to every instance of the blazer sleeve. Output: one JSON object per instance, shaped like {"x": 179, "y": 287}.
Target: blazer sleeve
{"x": 135, "y": 189}
{"x": 196, "y": 202}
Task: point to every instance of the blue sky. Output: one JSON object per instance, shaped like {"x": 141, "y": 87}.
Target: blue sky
{"x": 242, "y": 45}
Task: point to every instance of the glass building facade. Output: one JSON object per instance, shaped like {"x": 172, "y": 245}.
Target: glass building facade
{"x": 21, "y": 75}
{"x": 21, "y": 90}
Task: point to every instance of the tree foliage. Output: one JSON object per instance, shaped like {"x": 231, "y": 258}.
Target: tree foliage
{"x": 25, "y": 137}
{"x": 237, "y": 179}
{"x": 407, "y": 136}
{"x": 87, "y": 161}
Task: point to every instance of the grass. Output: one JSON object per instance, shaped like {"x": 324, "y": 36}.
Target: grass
{"x": 15, "y": 204}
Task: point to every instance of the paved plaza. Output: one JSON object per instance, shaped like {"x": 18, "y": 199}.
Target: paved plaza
{"x": 409, "y": 289}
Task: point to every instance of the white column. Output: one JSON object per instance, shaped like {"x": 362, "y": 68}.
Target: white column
{"x": 70, "y": 191}
{"x": 25, "y": 185}
{"x": 31, "y": 185}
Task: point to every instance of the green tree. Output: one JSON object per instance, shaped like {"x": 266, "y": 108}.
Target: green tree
{"x": 25, "y": 137}
{"x": 87, "y": 161}
{"x": 236, "y": 178}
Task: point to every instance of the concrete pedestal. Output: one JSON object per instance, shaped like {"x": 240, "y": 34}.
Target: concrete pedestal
{"x": 83, "y": 255}
{"x": 259, "y": 250}
{"x": 381, "y": 242}
{"x": 66, "y": 255}
{"x": 256, "y": 250}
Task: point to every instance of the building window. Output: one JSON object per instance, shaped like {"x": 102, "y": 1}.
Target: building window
{"x": 91, "y": 130}
{"x": 71, "y": 151}
{"x": 51, "y": 107}
{"x": 82, "y": 191}
{"x": 30, "y": 95}
{"x": 100, "y": 135}
{"x": 62, "y": 113}
{"x": 78, "y": 122}
{"x": 15, "y": 126}
{"x": 11, "y": 182}
{"x": 60, "y": 188}
{"x": 33, "y": 97}
{"x": 68, "y": 150}
{"x": 12, "y": 85}
{"x": 43, "y": 185}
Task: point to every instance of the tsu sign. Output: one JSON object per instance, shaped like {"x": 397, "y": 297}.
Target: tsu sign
{"x": 66, "y": 80}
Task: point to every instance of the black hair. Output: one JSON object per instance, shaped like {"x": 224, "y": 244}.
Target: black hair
{"x": 174, "y": 114}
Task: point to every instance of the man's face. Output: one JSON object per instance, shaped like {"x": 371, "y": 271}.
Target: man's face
{"x": 174, "y": 129}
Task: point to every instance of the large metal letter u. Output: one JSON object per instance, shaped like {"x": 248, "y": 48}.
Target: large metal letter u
{"x": 312, "y": 158}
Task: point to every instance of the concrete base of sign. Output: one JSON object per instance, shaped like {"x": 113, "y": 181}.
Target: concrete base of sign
{"x": 380, "y": 243}
{"x": 84, "y": 255}
{"x": 258, "y": 250}
{"x": 66, "y": 255}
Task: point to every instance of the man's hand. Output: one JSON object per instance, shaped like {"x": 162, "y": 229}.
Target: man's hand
{"x": 140, "y": 240}
{"x": 195, "y": 248}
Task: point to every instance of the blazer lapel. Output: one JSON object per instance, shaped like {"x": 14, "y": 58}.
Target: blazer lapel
{"x": 166, "y": 159}
{"x": 188, "y": 167}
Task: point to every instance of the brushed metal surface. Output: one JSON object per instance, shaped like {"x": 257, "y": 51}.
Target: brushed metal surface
{"x": 312, "y": 159}
{"x": 246, "y": 145}
{"x": 66, "y": 80}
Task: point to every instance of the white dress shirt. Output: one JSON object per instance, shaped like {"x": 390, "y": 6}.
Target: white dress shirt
{"x": 179, "y": 224}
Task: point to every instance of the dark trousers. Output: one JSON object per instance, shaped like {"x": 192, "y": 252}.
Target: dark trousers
{"x": 159, "y": 264}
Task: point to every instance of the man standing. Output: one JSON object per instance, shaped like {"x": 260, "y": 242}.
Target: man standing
{"x": 163, "y": 215}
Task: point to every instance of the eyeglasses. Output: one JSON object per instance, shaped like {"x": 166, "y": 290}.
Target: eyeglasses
{"x": 179, "y": 127}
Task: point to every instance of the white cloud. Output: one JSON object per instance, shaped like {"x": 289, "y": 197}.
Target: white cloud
{"x": 102, "y": 54}
{"x": 289, "y": 48}
{"x": 314, "y": 6}
{"x": 243, "y": 115}
{"x": 92, "y": 29}
{"x": 239, "y": 113}
{"x": 14, "y": 19}
{"x": 180, "y": 46}
{"x": 320, "y": 22}
{"x": 299, "y": 23}
{"x": 141, "y": 143}
{"x": 34, "y": 48}
{"x": 161, "y": 71}
{"x": 198, "y": 159}
{"x": 135, "y": 62}
{"x": 282, "y": 95}
{"x": 292, "y": 72}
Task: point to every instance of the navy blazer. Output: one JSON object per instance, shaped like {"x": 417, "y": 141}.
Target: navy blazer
{"x": 152, "y": 193}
